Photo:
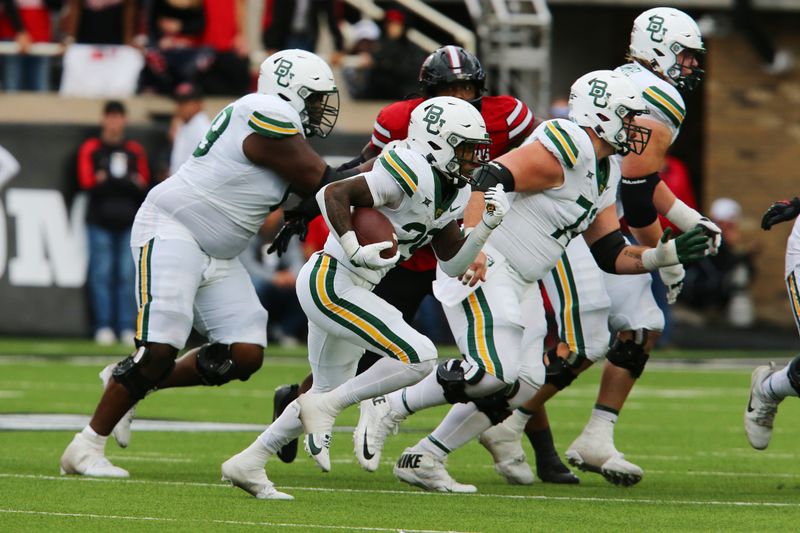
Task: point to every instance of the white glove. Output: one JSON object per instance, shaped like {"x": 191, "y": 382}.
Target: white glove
{"x": 672, "y": 277}
{"x": 368, "y": 256}
{"x": 497, "y": 206}
{"x": 714, "y": 234}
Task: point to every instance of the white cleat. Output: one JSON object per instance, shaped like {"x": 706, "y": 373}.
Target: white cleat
{"x": 317, "y": 417}
{"x": 245, "y": 473}
{"x": 509, "y": 458}
{"x": 376, "y": 421}
{"x": 84, "y": 458}
{"x": 318, "y": 446}
{"x": 427, "y": 472}
{"x": 122, "y": 431}
{"x": 761, "y": 409}
{"x": 593, "y": 454}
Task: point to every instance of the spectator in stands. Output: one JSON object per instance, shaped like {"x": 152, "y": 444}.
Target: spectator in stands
{"x": 229, "y": 69}
{"x": 364, "y": 36}
{"x": 721, "y": 283}
{"x": 189, "y": 124}
{"x": 295, "y": 24}
{"x": 274, "y": 280}
{"x": 559, "y": 108}
{"x": 173, "y": 54}
{"x": 396, "y": 61}
{"x": 114, "y": 171}
{"x": 106, "y": 22}
{"x": 26, "y": 22}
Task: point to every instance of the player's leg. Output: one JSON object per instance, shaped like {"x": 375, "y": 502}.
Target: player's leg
{"x": 768, "y": 387}
{"x": 342, "y": 304}
{"x": 333, "y": 361}
{"x": 580, "y": 303}
{"x": 637, "y": 318}
{"x": 402, "y": 288}
{"x": 168, "y": 275}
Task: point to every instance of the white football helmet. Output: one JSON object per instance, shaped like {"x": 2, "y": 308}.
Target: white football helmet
{"x": 659, "y": 35}
{"x": 448, "y": 131}
{"x": 602, "y": 100}
{"x": 305, "y": 81}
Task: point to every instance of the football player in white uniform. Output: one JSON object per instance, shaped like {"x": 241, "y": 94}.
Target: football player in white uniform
{"x": 664, "y": 49}
{"x": 188, "y": 235}
{"x": 564, "y": 180}
{"x": 768, "y": 387}
{"x": 418, "y": 184}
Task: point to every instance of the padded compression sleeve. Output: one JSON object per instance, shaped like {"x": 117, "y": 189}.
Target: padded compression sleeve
{"x": 636, "y": 195}
{"x": 606, "y": 249}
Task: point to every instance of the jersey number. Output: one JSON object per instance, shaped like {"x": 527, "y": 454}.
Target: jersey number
{"x": 589, "y": 210}
{"x": 424, "y": 235}
{"x": 221, "y": 122}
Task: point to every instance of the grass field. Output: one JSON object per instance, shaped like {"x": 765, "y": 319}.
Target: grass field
{"x": 683, "y": 426}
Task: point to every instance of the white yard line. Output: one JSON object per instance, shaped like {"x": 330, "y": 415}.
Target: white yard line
{"x": 536, "y": 497}
{"x": 229, "y": 522}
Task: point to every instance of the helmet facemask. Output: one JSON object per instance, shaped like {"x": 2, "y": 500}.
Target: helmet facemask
{"x": 466, "y": 159}
{"x": 320, "y": 111}
{"x": 630, "y": 138}
{"x": 686, "y": 82}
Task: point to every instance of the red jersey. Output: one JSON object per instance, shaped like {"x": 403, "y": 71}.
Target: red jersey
{"x": 508, "y": 122}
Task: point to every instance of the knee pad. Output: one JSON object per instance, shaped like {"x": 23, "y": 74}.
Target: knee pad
{"x": 629, "y": 355}
{"x": 495, "y": 406}
{"x": 215, "y": 364}
{"x": 128, "y": 372}
{"x": 560, "y": 372}
{"x": 794, "y": 374}
{"x": 452, "y": 377}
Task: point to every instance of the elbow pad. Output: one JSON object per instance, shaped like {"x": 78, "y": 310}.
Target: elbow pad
{"x": 489, "y": 175}
{"x": 606, "y": 249}
{"x": 636, "y": 195}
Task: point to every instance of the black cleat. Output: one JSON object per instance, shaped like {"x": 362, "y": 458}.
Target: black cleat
{"x": 284, "y": 395}
{"x": 555, "y": 471}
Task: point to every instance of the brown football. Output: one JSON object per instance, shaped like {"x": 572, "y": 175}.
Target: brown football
{"x": 372, "y": 226}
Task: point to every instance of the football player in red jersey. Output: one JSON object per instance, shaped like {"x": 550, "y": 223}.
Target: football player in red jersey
{"x": 449, "y": 71}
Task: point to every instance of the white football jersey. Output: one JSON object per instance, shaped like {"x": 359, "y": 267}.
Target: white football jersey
{"x": 663, "y": 100}
{"x": 539, "y": 226}
{"x": 219, "y": 194}
{"x": 793, "y": 249}
{"x": 406, "y": 189}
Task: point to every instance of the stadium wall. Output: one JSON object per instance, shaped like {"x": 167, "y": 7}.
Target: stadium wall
{"x": 43, "y": 253}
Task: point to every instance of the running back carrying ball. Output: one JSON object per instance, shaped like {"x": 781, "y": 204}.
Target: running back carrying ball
{"x": 372, "y": 226}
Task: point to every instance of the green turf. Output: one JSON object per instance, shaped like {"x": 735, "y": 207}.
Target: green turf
{"x": 683, "y": 427}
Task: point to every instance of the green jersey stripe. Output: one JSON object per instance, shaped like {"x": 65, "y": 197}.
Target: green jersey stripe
{"x": 671, "y": 101}
{"x": 268, "y": 133}
{"x": 676, "y": 121}
{"x": 562, "y": 150}
{"x": 396, "y": 175}
{"x": 472, "y": 347}
{"x": 568, "y": 139}
{"x": 405, "y": 167}
{"x": 274, "y": 122}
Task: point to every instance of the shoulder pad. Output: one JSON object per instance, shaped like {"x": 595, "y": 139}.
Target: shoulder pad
{"x": 404, "y": 166}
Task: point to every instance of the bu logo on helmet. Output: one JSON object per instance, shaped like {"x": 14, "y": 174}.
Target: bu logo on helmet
{"x": 433, "y": 117}
{"x": 656, "y": 28}
{"x": 284, "y": 71}
{"x": 598, "y": 92}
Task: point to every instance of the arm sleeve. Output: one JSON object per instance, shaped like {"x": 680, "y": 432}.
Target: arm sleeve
{"x": 636, "y": 195}
{"x": 86, "y": 170}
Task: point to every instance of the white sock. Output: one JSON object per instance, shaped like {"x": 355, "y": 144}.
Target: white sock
{"x": 518, "y": 420}
{"x": 280, "y": 432}
{"x": 426, "y": 393}
{"x": 461, "y": 424}
{"x": 93, "y": 437}
{"x": 777, "y": 386}
{"x": 601, "y": 414}
{"x": 385, "y": 376}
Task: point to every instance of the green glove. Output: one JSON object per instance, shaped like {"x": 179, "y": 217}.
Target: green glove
{"x": 688, "y": 247}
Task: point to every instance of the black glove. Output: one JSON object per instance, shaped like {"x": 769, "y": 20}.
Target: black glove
{"x": 780, "y": 211}
{"x": 295, "y": 223}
